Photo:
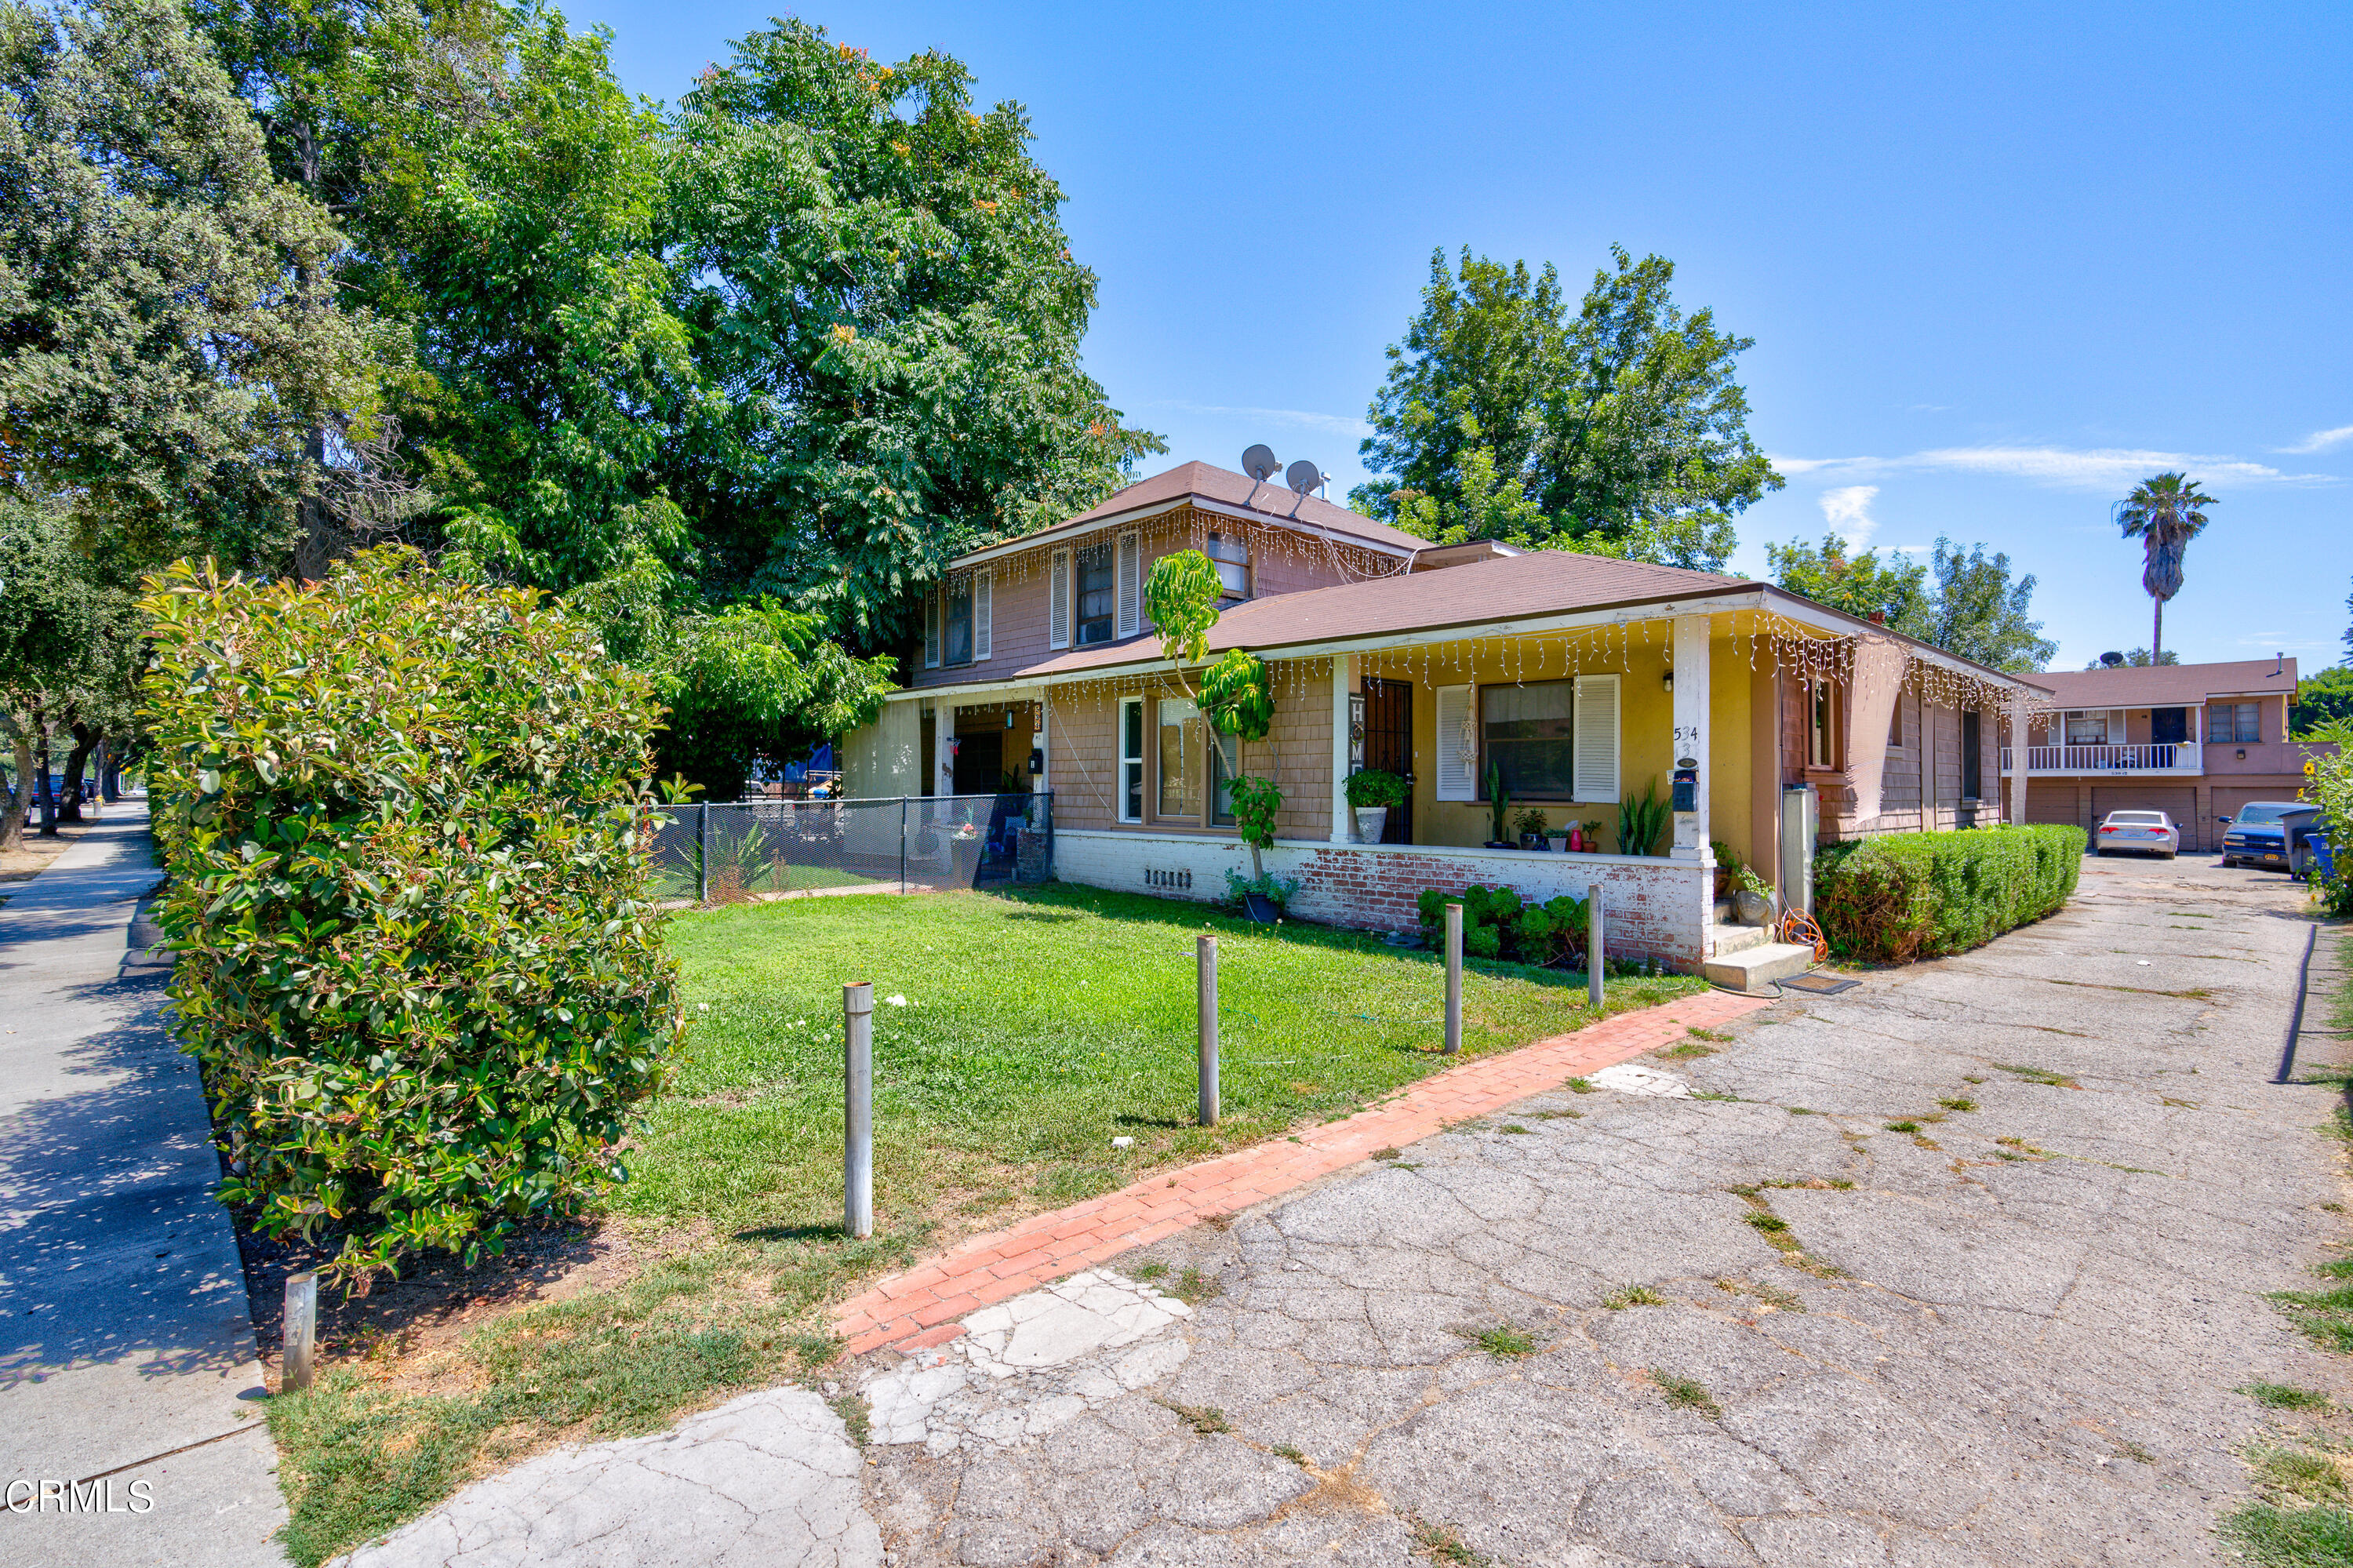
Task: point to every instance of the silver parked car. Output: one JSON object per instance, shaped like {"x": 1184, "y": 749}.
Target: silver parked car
{"x": 2152, "y": 832}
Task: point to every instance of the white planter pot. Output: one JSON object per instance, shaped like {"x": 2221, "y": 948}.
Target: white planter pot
{"x": 1371, "y": 823}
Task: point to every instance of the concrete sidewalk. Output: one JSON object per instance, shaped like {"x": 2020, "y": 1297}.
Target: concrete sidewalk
{"x": 126, "y": 1345}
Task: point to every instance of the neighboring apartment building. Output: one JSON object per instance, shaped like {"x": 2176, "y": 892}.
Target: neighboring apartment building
{"x": 2195, "y": 741}
{"x": 1584, "y": 680}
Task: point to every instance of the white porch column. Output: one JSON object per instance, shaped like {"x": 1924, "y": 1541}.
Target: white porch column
{"x": 2015, "y": 813}
{"x": 1344, "y": 685}
{"x": 1690, "y": 749}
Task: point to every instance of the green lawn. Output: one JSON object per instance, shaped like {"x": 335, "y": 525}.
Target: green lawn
{"x": 1037, "y": 1025}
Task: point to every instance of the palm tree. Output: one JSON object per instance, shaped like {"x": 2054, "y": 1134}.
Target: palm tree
{"x": 2164, "y": 513}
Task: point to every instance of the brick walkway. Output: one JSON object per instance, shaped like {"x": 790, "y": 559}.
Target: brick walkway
{"x": 926, "y": 1301}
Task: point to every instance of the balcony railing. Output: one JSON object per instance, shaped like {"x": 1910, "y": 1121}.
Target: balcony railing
{"x": 2159, "y": 756}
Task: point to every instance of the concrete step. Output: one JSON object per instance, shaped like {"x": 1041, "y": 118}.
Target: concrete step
{"x": 1756, "y": 967}
{"x": 1724, "y": 939}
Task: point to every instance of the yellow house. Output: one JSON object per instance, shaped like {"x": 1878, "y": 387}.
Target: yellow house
{"x": 1579, "y": 682}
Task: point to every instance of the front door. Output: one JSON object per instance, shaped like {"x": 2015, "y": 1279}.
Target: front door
{"x": 1388, "y": 745}
{"x": 2169, "y": 727}
{"x": 979, "y": 762}
{"x": 1972, "y": 759}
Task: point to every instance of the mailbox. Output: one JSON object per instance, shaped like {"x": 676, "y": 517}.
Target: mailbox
{"x": 1686, "y": 789}
{"x": 1037, "y": 760}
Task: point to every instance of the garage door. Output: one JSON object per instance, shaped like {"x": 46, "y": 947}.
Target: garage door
{"x": 2178, "y": 802}
{"x": 2052, "y": 800}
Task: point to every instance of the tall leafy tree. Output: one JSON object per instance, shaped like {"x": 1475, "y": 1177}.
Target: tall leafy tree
{"x": 1964, "y": 601}
{"x": 1624, "y": 426}
{"x": 70, "y": 649}
{"x": 1890, "y": 590}
{"x": 1980, "y": 612}
{"x": 170, "y": 336}
{"x": 886, "y": 313}
{"x": 2164, "y": 512}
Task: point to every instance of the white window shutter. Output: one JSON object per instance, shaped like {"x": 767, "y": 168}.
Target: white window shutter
{"x": 1458, "y": 743}
{"x": 1596, "y": 743}
{"x": 1058, "y": 601}
{"x": 983, "y": 599}
{"x": 931, "y": 629}
{"x": 1131, "y": 585}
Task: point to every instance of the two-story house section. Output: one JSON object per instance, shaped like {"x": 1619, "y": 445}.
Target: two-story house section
{"x": 2195, "y": 741}
{"x": 1574, "y": 683}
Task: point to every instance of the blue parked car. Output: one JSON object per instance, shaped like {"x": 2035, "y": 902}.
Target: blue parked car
{"x": 2270, "y": 834}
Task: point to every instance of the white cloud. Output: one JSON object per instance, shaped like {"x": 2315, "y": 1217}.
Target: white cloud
{"x": 2321, "y": 440}
{"x": 1341, "y": 425}
{"x": 1849, "y": 509}
{"x": 2113, "y": 469}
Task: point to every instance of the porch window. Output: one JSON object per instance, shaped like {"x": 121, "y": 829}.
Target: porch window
{"x": 1527, "y": 733}
{"x": 1225, "y": 765}
{"x": 2235, "y": 723}
{"x": 1896, "y": 723}
{"x": 2087, "y": 728}
{"x": 1232, "y": 557}
{"x": 1183, "y": 760}
{"x": 1098, "y": 597}
{"x": 1822, "y": 728}
{"x": 1131, "y": 760}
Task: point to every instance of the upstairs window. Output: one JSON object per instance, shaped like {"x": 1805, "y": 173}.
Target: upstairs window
{"x": 1098, "y": 597}
{"x": 959, "y": 622}
{"x": 1232, "y": 557}
{"x": 2236, "y": 723}
{"x": 2087, "y": 728}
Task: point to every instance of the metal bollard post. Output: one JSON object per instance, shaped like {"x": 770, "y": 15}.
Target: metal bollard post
{"x": 1454, "y": 979}
{"x": 703, "y": 853}
{"x": 1594, "y": 960}
{"x": 1206, "y": 948}
{"x": 857, "y": 1110}
{"x": 301, "y": 1330}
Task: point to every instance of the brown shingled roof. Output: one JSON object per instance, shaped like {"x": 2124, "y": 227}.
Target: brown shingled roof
{"x": 1211, "y": 482}
{"x": 2166, "y": 685}
{"x": 1541, "y": 582}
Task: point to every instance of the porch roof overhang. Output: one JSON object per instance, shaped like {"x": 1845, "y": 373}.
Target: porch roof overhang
{"x": 1140, "y": 656}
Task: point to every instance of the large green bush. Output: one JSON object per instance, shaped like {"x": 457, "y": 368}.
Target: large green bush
{"x": 404, "y": 819}
{"x": 1919, "y": 895}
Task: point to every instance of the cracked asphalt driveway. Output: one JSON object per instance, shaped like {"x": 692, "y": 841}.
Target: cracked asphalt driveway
{"x": 2009, "y": 1337}
{"x": 1959, "y": 1269}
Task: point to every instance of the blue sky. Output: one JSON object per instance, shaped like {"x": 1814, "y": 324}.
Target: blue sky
{"x": 1999, "y": 262}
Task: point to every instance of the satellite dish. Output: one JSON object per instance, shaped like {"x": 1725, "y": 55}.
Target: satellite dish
{"x": 1259, "y": 462}
{"x": 1302, "y": 476}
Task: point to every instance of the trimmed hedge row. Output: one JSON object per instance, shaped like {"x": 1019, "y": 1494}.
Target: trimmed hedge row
{"x": 405, "y": 818}
{"x": 1921, "y": 896}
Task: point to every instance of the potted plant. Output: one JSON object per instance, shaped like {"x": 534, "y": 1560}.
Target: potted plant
{"x": 1727, "y": 867}
{"x": 1371, "y": 793}
{"x": 1531, "y": 824}
{"x": 1753, "y": 903}
{"x": 1256, "y": 801}
{"x": 1640, "y": 820}
{"x": 1499, "y": 806}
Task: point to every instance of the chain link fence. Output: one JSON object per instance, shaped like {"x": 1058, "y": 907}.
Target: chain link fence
{"x": 768, "y": 849}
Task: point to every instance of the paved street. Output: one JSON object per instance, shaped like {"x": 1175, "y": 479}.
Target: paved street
{"x": 125, "y": 1339}
{"x": 1742, "y": 1322}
